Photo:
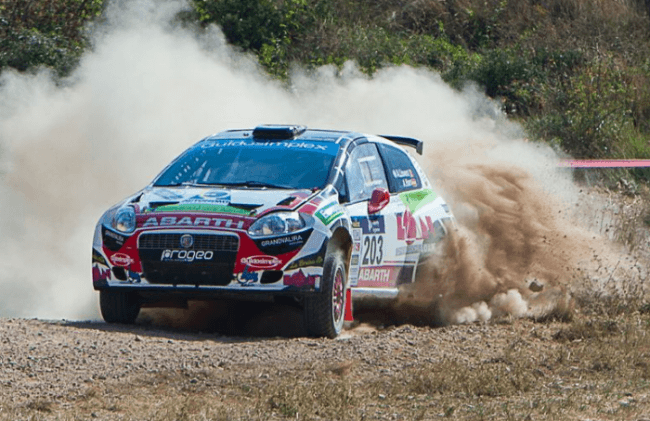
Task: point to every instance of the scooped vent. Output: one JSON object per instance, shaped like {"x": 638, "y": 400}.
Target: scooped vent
{"x": 278, "y": 132}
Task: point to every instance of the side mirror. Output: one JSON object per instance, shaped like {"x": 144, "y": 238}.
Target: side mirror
{"x": 379, "y": 200}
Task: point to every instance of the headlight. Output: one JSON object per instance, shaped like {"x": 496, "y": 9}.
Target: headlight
{"x": 277, "y": 224}
{"x": 124, "y": 220}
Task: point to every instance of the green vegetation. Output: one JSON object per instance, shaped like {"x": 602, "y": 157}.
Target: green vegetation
{"x": 574, "y": 73}
{"x": 49, "y": 33}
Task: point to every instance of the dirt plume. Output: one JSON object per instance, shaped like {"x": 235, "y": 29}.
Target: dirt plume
{"x": 516, "y": 251}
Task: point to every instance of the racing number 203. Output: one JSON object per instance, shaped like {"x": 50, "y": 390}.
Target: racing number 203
{"x": 373, "y": 250}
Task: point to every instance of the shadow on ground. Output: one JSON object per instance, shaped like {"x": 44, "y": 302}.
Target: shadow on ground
{"x": 211, "y": 320}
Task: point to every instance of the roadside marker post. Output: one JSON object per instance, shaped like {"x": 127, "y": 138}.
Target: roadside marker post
{"x": 348, "y": 306}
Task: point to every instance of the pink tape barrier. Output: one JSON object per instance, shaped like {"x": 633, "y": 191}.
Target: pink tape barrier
{"x": 605, "y": 163}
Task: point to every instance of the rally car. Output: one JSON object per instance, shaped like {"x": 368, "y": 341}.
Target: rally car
{"x": 323, "y": 217}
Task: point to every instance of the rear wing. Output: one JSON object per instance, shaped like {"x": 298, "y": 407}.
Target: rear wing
{"x": 406, "y": 141}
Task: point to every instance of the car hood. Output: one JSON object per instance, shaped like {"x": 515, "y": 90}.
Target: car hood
{"x": 248, "y": 202}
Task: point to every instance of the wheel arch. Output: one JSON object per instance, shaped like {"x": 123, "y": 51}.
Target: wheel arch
{"x": 341, "y": 240}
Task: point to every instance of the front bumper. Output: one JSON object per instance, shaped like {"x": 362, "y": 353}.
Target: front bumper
{"x": 210, "y": 263}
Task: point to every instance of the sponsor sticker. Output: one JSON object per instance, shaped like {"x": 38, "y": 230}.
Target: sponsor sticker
{"x": 329, "y": 213}
{"x": 248, "y": 278}
{"x": 191, "y": 221}
{"x": 99, "y": 259}
{"x": 114, "y": 236}
{"x": 134, "y": 277}
{"x": 261, "y": 262}
{"x": 291, "y": 240}
{"x": 306, "y": 262}
{"x": 112, "y": 240}
{"x": 121, "y": 259}
{"x": 101, "y": 273}
{"x": 328, "y": 147}
{"x": 285, "y": 244}
{"x": 403, "y": 173}
{"x": 375, "y": 275}
{"x": 372, "y": 225}
{"x": 416, "y": 248}
{"x": 213, "y": 197}
{"x": 354, "y": 276}
{"x": 186, "y": 255}
{"x": 168, "y": 194}
{"x": 416, "y": 199}
{"x": 201, "y": 206}
{"x": 221, "y": 196}
{"x": 409, "y": 182}
{"x": 410, "y": 228}
{"x": 300, "y": 279}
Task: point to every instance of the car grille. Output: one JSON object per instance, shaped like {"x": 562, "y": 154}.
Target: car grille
{"x": 155, "y": 250}
{"x": 212, "y": 242}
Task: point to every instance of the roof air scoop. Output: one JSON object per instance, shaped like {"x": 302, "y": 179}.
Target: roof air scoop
{"x": 278, "y": 131}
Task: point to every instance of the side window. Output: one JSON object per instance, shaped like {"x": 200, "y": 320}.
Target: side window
{"x": 341, "y": 187}
{"x": 402, "y": 175}
{"x": 364, "y": 172}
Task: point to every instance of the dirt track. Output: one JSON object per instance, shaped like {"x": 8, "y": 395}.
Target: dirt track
{"x": 83, "y": 369}
{"x": 73, "y": 370}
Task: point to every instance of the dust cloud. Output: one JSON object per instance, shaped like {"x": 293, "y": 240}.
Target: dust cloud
{"x": 518, "y": 250}
{"x": 149, "y": 89}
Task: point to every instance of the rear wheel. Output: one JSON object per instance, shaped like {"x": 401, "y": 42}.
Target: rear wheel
{"x": 324, "y": 311}
{"x": 119, "y": 307}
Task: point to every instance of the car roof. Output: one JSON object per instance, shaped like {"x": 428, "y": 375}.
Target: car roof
{"x": 335, "y": 136}
{"x": 290, "y": 133}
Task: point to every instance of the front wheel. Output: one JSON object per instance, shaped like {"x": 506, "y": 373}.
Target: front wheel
{"x": 324, "y": 311}
{"x": 119, "y": 307}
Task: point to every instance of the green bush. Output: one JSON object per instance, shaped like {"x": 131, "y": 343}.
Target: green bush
{"x": 504, "y": 74}
{"x": 575, "y": 72}
{"x": 29, "y": 49}
{"x": 248, "y": 24}
{"x": 589, "y": 112}
{"x": 49, "y": 33}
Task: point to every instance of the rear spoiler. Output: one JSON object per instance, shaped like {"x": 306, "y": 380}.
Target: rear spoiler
{"x": 406, "y": 141}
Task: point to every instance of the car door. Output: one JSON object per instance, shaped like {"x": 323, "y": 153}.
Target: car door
{"x": 374, "y": 262}
{"x": 419, "y": 227}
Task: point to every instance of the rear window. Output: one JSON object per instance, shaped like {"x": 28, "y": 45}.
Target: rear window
{"x": 402, "y": 175}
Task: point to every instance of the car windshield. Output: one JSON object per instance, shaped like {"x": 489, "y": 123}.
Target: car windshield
{"x": 293, "y": 164}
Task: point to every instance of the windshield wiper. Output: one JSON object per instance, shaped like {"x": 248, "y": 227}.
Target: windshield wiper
{"x": 260, "y": 184}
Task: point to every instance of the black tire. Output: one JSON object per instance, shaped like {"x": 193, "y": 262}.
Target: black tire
{"x": 119, "y": 307}
{"x": 325, "y": 311}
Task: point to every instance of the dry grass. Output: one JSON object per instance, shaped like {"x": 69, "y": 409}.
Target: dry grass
{"x": 591, "y": 368}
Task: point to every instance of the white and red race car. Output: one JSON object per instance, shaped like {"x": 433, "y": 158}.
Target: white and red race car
{"x": 324, "y": 217}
